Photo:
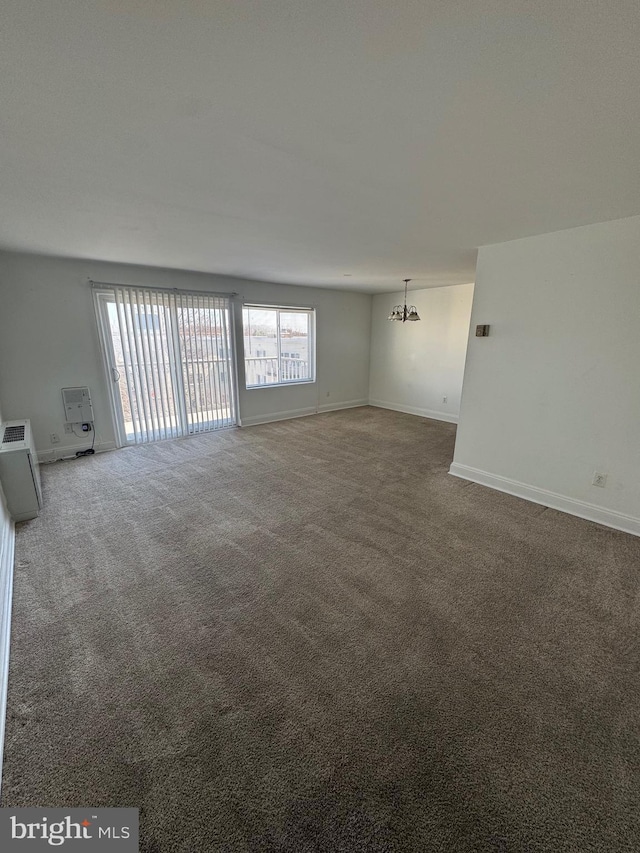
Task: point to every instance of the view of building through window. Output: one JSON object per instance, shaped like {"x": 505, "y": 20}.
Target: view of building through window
{"x": 278, "y": 345}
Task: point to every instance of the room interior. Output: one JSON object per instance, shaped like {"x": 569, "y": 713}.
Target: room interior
{"x": 393, "y": 607}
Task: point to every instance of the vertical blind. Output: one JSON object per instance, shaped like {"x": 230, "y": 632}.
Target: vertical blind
{"x": 172, "y": 359}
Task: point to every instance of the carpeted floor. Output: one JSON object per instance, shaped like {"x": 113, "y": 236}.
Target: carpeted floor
{"x": 308, "y": 636}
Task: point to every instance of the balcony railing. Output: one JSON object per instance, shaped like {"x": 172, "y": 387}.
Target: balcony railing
{"x": 152, "y": 405}
{"x": 263, "y": 370}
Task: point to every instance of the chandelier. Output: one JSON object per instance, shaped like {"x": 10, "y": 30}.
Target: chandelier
{"x": 402, "y": 313}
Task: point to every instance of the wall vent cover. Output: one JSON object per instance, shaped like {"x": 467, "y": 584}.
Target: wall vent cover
{"x": 13, "y": 433}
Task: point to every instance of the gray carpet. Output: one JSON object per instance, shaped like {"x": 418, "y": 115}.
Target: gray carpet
{"x": 307, "y": 636}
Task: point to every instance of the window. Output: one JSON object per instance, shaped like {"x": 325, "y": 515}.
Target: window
{"x": 146, "y": 322}
{"x": 279, "y": 345}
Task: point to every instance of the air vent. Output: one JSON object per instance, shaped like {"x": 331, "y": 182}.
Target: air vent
{"x": 13, "y": 433}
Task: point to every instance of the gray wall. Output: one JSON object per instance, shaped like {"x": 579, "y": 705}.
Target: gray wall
{"x": 49, "y": 340}
{"x": 552, "y": 395}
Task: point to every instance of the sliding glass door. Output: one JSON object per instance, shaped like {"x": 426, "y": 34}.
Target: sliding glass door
{"x": 170, "y": 361}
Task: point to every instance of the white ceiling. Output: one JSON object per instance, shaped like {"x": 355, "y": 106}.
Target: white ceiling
{"x": 304, "y": 140}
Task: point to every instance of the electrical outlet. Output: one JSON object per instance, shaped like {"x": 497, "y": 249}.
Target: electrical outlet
{"x": 599, "y": 479}
{"x": 68, "y": 428}
{"x": 55, "y": 438}
{"x": 444, "y": 399}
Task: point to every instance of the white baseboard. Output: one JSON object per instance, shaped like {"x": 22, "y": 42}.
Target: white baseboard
{"x": 7, "y": 546}
{"x": 56, "y": 453}
{"x": 572, "y": 506}
{"x": 348, "y": 404}
{"x": 300, "y": 413}
{"x": 278, "y": 416}
{"x": 415, "y": 410}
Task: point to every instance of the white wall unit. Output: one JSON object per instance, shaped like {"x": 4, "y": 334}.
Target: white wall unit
{"x": 415, "y": 365}
{"x": 552, "y": 395}
{"x": 77, "y": 405}
{"x": 49, "y": 340}
{"x": 19, "y": 472}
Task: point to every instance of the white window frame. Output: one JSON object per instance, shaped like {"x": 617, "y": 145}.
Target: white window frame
{"x": 312, "y": 344}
